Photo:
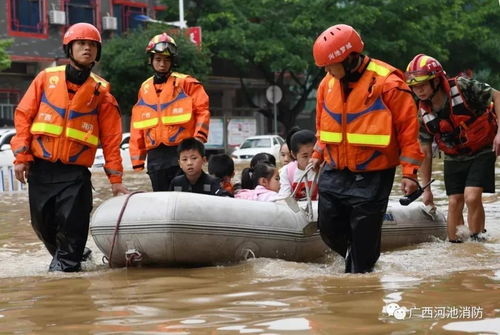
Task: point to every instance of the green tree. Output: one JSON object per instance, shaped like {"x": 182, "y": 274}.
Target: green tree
{"x": 4, "y": 57}
{"x": 276, "y": 37}
{"x": 125, "y": 64}
{"x": 272, "y": 38}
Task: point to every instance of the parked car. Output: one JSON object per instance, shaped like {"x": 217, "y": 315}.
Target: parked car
{"x": 127, "y": 164}
{"x": 6, "y": 154}
{"x": 256, "y": 144}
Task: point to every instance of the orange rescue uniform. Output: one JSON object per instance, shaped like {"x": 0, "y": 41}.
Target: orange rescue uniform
{"x": 375, "y": 128}
{"x": 178, "y": 111}
{"x": 55, "y": 125}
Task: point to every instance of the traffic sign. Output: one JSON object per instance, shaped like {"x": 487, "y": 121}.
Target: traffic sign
{"x": 194, "y": 34}
{"x": 274, "y": 94}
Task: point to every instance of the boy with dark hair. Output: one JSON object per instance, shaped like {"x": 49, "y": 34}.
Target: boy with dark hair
{"x": 191, "y": 159}
{"x": 222, "y": 167}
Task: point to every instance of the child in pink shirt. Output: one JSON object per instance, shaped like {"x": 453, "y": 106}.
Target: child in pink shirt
{"x": 265, "y": 178}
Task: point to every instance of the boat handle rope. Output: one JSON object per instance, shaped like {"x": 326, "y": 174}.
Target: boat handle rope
{"x": 117, "y": 226}
{"x": 309, "y": 190}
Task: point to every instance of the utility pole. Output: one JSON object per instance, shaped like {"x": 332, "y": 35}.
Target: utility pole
{"x": 182, "y": 23}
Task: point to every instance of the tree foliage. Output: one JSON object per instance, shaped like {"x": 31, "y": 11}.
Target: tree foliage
{"x": 276, "y": 37}
{"x": 125, "y": 64}
{"x": 4, "y": 57}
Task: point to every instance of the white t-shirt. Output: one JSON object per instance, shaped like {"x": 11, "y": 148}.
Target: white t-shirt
{"x": 290, "y": 175}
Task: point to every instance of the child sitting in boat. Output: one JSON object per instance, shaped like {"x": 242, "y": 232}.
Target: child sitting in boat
{"x": 265, "y": 180}
{"x": 222, "y": 166}
{"x": 191, "y": 159}
{"x": 301, "y": 149}
{"x": 261, "y": 157}
{"x": 285, "y": 156}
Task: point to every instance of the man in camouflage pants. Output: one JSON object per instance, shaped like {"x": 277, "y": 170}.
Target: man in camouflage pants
{"x": 460, "y": 115}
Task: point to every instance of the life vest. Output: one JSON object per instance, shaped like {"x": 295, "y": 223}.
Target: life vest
{"x": 359, "y": 131}
{"x": 68, "y": 130}
{"x": 291, "y": 168}
{"x": 465, "y": 131}
{"x": 166, "y": 118}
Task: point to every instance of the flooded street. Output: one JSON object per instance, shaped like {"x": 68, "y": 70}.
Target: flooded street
{"x": 439, "y": 287}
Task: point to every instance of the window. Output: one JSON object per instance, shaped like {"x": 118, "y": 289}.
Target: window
{"x": 8, "y": 103}
{"x": 125, "y": 13}
{"x": 26, "y": 18}
{"x": 80, "y": 11}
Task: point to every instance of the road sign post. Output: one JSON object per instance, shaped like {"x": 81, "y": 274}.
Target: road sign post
{"x": 274, "y": 95}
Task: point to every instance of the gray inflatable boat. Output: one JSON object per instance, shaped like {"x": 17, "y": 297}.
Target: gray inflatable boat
{"x": 188, "y": 229}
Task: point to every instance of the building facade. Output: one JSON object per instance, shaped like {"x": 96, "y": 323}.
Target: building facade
{"x": 37, "y": 27}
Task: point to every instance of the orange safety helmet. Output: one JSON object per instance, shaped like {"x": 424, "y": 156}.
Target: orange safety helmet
{"x": 82, "y": 31}
{"x": 423, "y": 68}
{"x": 335, "y": 44}
{"x": 162, "y": 44}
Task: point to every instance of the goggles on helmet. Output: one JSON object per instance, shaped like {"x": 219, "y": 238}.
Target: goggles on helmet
{"x": 418, "y": 77}
{"x": 164, "y": 48}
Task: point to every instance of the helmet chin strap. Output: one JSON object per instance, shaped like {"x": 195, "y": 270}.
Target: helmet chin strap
{"x": 161, "y": 77}
{"x": 81, "y": 66}
{"x": 349, "y": 65}
{"x": 435, "y": 89}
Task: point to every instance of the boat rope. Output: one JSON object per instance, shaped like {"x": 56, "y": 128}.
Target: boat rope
{"x": 117, "y": 226}
{"x": 248, "y": 253}
{"x": 309, "y": 190}
{"x": 132, "y": 256}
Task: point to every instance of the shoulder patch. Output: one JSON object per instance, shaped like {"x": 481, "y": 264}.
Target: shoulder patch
{"x": 331, "y": 82}
{"x": 56, "y": 68}
{"x": 103, "y": 82}
{"x": 147, "y": 81}
{"x": 179, "y": 75}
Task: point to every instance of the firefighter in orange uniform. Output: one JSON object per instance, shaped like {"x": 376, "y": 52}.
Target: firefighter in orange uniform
{"x": 366, "y": 123}
{"x": 59, "y": 122}
{"x": 171, "y": 107}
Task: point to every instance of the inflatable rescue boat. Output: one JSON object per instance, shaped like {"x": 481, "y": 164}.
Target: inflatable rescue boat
{"x": 188, "y": 229}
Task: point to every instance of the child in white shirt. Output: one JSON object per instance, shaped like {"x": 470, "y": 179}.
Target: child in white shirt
{"x": 301, "y": 149}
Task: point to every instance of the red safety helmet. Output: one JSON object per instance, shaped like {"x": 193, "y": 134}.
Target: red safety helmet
{"x": 335, "y": 44}
{"x": 162, "y": 44}
{"x": 82, "y": 31}
{"x": 423, "y": 68}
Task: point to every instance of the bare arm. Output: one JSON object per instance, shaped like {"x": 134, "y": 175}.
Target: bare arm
{"x": 426, "y": 172}
{"x": 496, "y": 141}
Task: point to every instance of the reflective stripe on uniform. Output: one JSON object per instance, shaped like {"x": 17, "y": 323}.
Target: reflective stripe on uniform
{"x": 138, "y": 157}
{"x": 145, "y": 123}
{"x": 368, "y": 139}
{"x": 378, "y": 69}
{"x": 47, "y": 128}
{"x": 22, "y": 149}
{"x": 112, "y": 172}
{"x": 202, "y": 125}
{"x": 410, "y": 160}
{"x": 330, "y": 136}
{"x": 170, "y": 119}
{"x": 318, "y": 148}
{"x": 82, "y": 136}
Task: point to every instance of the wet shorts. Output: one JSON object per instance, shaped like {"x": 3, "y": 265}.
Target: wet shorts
{"x": 479, "y": 172}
